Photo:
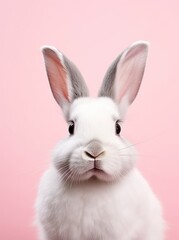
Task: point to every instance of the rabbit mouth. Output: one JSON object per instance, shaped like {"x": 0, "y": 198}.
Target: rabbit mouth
{"x": 95, "y": 172}
{"x": 96, "y": 169}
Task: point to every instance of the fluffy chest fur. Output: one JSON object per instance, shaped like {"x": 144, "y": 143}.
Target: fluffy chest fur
{"x": 95, "y": 210}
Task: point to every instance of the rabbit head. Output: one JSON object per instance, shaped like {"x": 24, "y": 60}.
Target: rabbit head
{"x": 95, "y": 148}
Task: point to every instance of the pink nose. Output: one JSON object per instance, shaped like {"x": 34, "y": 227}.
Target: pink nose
{"x": 94, "y": 149}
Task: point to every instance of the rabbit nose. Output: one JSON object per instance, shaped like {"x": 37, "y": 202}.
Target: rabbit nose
{"x": 94, "y": 149}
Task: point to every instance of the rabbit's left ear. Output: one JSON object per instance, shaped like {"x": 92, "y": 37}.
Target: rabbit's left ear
{"x": 124, "y": 76}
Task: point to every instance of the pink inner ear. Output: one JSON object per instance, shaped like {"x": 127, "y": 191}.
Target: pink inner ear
{"x": 134, "y": 51}
{"x": 129, "y": 73}
{"x": 124, "y": 74}
{"x": 57, "y": 75}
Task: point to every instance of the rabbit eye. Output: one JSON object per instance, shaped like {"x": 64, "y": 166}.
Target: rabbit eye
{"x": 71, "y": 127}
{"x": 118, "y": 127}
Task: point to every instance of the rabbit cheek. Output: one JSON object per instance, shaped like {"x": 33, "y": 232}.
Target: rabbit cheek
{"x": 117, "y": 164}
{"x": 112, "y": 169}
{"x": 78, "y": 166}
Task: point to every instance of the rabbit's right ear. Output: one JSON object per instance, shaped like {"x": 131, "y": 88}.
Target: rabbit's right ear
{"x": 65, "y": 80}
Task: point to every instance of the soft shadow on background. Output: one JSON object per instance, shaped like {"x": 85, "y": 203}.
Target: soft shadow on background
{"x": 92, "y": 34}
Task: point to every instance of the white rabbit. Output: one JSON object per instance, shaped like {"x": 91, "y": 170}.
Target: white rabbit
{"x": 93, "y": 191}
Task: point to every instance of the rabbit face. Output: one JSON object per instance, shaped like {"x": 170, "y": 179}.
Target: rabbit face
{"x": 95, "y": 149}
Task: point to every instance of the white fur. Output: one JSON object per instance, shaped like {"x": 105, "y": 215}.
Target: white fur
{"x": 127, "y": 210}
{"x": 93, "y": 191}
{"x": 122, "y": 208}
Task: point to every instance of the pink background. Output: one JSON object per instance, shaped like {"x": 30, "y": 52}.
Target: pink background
{"x": 91, "y": 33}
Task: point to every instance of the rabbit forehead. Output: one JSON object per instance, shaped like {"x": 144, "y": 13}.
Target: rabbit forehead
{"x": 94, "y": 107}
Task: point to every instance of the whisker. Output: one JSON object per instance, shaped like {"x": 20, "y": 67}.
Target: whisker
{"x": 65, "y": 175}
{"x": 144, "y": 141}
{"x": 72, "y": 175}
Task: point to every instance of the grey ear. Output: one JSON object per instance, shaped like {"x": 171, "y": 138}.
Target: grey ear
{"x": 124, "y": 76}
{"x": 65, "y": 80}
